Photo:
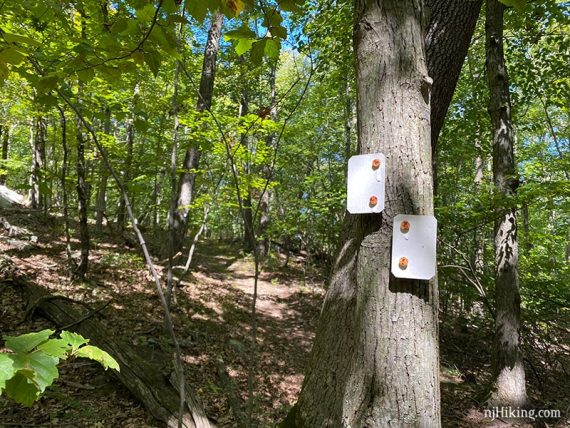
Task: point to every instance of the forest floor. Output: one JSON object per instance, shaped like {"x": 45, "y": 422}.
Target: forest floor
{"x": 211, "y": 315}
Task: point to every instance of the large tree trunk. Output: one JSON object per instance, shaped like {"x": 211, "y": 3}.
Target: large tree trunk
{"x": 178, "y": 217}
{"x": 509, "y": 388}
{"x": 375, "y": 359}
{"x": 450, "y": 29}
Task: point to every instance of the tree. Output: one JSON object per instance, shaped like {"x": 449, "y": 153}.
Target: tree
{"x": 509, "y": 385}
{"x": 182, "y": 199}
{"x": 375, "y": 358}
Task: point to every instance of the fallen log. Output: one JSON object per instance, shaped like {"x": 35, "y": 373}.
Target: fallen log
{"x": 145, "y": 381}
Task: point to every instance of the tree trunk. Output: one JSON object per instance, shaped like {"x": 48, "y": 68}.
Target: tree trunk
{"x": 450, "y": 29}
{"x": 479, "y": 238}
{"x": 347, "y": 125}
{"x": 82, "y": 199}
{"x": 509, "y": 386}
{"x": 101, "y": 203}
{"x": 5, "y": 133}
{"x": 178, "y": 218}
{"x": 127, "y": 166}
{"x": 265, "y": 218}
{"x": 65, "y": 202}
{"x": 38, "y": 138}
{"x": 375, "y": 358}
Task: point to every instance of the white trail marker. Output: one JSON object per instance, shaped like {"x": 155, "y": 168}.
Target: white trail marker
{"x": 414, "y": 246}
{"x": 366, "y": 184}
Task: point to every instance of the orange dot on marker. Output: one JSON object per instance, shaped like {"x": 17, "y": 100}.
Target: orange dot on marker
{"x": 373, "y": 201}
{"x": 376, "y": 164}
{"x": 405, "y": 226}
{"x": 403, "y": 263}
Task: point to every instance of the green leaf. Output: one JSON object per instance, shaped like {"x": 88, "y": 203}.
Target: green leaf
{"x": 86, "y": 75}
{"x": 272, "y": 18}
{"x": 234, "y": 7}
{"x": 290, "y": 6}
{"x": 153, "y": 61}
{"x": 243, "y": 45}
{"x": 16, "y": 38}
{"x": 39, "y": 367}
{"x": 56, "y": 348}
{"x": 272, "y": 48}
{"x": 257, "y": 51}
{"x": 47, "y": 83}
{"x": 138, "y": 57}
{"x": 7, "y": 370}
{"x": 12, "y": 56}
{"x": 73, "y": 339}
{"x": 22, "y": 390}
{"x": 278, "y": 31}
{"x": 241, "y": 33}
{"x": 519, "y": 5}
{"x": 94, "y": 353}
{"x": 120, "y": 25}
{"x": 197, "y": 9}
{"x": 146, "y": 13}
{"x": 27, "y": 342}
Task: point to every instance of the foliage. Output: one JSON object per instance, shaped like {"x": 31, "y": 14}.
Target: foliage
{"x": 30, "y": 365}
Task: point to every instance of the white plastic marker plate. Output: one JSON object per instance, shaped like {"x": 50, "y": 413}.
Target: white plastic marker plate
{"x": 413, "y": 252}
{"x": 366, "y": 181}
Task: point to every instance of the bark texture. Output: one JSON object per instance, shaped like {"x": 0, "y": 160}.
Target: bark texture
{"x": 375, "y": 358}
{"x": 178, "y": 221}
{"x": 450, "y": 29}
{"x": 509, "y": 388}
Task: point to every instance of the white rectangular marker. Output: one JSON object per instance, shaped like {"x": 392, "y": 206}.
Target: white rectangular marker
{"x": 414, "y": 246}
{"x": 366, "y": 184}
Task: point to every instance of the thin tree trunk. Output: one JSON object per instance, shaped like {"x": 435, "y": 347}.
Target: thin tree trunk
{"x": 5, "y": 131}
{"x": 347, "y": 125}
{"x": 101, "y": 203}
{"x": 509, "y": 387}
{"x": 178, "y": 218}
{"x": 375, "y": 360}
{"x": 478, "y": 260}
{"x": 450, "y": 29}
{"x": 38, "y": 140}
{"x": 127, "y": 173}
{"x": 65, "y": 202}
{"x": 84, "y": 238}
{"x": 264, "y": 218}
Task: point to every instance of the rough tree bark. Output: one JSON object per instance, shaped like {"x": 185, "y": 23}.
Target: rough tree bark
{"x": 375, "y": 358}
{"x": 450, "y": 29}
{"x": 178, "y": 216}
{"x": 509, "y": 387}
